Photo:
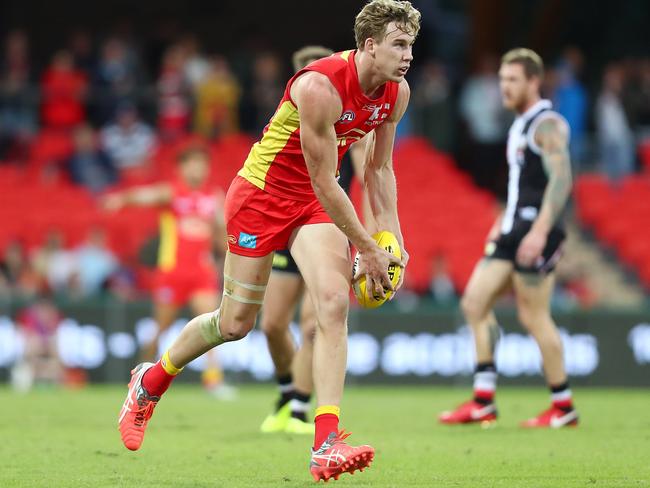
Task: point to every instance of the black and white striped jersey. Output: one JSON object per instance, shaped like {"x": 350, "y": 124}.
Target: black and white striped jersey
{"x": 526, "y": 176}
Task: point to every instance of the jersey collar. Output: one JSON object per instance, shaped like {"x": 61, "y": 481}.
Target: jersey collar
{"x": 540, "y": 105}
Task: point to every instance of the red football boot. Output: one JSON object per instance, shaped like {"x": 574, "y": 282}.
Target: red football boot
{"x": 137, "y": 409}
{"x": 553, "y": 418}
{"x": 470, "y": 412}
{"x": 334, "y": 457}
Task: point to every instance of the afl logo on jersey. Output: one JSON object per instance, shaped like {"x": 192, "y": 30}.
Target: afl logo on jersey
{"x": 347, "y": 117}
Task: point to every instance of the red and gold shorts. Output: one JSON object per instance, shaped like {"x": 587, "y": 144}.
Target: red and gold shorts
{"x": 177, "y": 285}
{"x": 259, "y": 223}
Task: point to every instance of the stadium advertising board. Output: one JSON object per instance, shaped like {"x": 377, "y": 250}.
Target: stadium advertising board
{"x": 423, "y": 347}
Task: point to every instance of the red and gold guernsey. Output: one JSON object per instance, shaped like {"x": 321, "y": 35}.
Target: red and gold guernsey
{"x": 276, "y": 164}
{"x": 186, "y": 227}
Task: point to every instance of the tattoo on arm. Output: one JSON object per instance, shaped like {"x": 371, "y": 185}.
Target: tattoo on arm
{"x": 557, "y": 165}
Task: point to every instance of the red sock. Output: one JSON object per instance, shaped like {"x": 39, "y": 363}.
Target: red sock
{"x": 484, "y": 396}
{"x": 561, "y": 397}
{"x": 325, "y": 424}
{"x": 157, "y": 380}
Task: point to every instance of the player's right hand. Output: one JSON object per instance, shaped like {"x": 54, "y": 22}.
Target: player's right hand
{"x": 374, "y": 263}
{"x": 112, "y": 202}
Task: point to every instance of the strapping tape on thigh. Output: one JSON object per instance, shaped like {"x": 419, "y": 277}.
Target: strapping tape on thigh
{"x": 228, "y": 291}
{"x": 246, "y": 286}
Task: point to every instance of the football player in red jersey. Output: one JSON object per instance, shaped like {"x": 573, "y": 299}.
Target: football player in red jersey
{"x": 285, "y": 291}
{"x": 191, "y": 225}
{"x": 287, "y": 196}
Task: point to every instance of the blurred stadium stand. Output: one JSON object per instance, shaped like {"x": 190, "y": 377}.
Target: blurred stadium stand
{"x": 445, "y": 215}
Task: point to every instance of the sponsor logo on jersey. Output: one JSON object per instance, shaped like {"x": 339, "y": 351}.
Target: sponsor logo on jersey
{"x": 377, "y": 116}
{"x": 347, "y": 117}
{"x": 247, "y": 240}
{"x": 232, "y": 239}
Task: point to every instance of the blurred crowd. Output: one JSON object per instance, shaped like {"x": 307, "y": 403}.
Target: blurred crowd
{"x": 609, "y": 114}
{"x": 111, "y": 101}
{"x": 116, "y": 107}
{"x": 86, "y": 270}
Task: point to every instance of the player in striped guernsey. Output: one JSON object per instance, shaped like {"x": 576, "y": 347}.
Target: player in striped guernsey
{"x": 524, "y": 245}
{"x": 287, "y": 196}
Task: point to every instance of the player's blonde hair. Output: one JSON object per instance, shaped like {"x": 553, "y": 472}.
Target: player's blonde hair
{"x": 373, "y": 19}
{"x": 528, "y": 59}
{"x": 302, "y": 57}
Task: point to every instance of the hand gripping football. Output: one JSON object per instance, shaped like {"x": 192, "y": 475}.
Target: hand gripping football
{"x": 367, "y": 298}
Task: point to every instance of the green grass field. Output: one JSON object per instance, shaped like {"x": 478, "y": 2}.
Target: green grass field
{"x": 64, "y": 438}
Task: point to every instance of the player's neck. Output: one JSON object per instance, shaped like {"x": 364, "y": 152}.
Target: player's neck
{"x": 369, "y": 80}
{"x": 529, "y": 103}
{"x": 193, "y": 184}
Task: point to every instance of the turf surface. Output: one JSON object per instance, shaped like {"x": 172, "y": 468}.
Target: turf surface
{"x": 53, "y": 438}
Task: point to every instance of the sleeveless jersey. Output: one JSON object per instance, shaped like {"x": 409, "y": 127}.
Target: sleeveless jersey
{"x": 180, "y": 242}
{"x": 527, "y": 178}
{"x": 276, "y": 164}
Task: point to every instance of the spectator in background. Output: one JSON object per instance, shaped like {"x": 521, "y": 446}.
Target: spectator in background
{"x": 80, "y": 46}
{"x": 17, "y": 277}
{"x": 217, "y": 100}
{"x": 267, "y": 88}
{"x": 95, "y": 263}
{"x": 441, "y": 287}
{"x": 636, "y": 95}
{"x": 174, "y": 104}
{"x": 643, "y": 112}
{"x": 115, "y": 78}
{"x": 89, "y": 165}
{"x": 55, "y": 264}
{"x": 569, "y": 97}
{"x": 17, "y": 99}
{"x": 615, "y": 136}
{"x": 485, "y": 121}
{"x": 63, "y": 93}
{"x": 128, "y": 141}
{"x": 196, "y": 65}
{"x": 41, "y": 363}
{"x": 433, "y": 111}
{"x": 123, "y": 282}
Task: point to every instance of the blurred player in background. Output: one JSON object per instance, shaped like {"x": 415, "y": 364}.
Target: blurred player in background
{"x": 41, "y": 362}
{"x": 191, "y": 226}
{"x": 524, "y": 245}
{"x": 293, "y": 368}
{"x": 287, "y": 196}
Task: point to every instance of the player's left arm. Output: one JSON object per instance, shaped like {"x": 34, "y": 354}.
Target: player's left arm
{"x": 552, "y": 137}
{"x": 358, "y": 155}
{"x": 379, "y": 176}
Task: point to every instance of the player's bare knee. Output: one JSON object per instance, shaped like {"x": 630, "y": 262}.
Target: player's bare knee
{"x": 473, "y": 310}
{"x": 236, "y": 321}
{"x": 236, "y": 328}
{"x": 272, "y": 328}
{"x": 333, "y": 307}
